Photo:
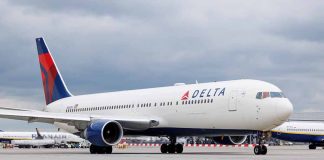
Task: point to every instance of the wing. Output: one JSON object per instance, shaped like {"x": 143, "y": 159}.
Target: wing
{"x": 80, "y": 121}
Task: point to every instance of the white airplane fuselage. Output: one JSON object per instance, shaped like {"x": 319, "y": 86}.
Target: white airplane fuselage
{"x": 216, "y": 108}
{"x": 297, "y": 131}
{"x": 31, "y": 138}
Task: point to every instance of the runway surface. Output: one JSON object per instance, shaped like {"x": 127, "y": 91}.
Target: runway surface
{"x": 149, "y": 153}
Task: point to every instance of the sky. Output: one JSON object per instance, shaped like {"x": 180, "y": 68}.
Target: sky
{"x": 103, "y": 46}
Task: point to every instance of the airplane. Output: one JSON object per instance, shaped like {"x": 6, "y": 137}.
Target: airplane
{"x": 37, "y": 139}
{"x": 225, "y": 108}
{"x": 298, "y": 131}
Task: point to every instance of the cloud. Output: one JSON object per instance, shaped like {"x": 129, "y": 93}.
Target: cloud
{"x": 117, "y": 45}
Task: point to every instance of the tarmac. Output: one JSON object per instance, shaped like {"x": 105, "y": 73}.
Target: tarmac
{"x": 153, "y": 153}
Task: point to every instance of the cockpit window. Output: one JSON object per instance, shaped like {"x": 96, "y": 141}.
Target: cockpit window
{"x": 277, "y": 95}
{"x": 259, "y": 95}
{"x": 263, "y": 95}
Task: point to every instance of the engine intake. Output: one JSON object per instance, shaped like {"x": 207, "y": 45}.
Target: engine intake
{"x": 104, "y": 133}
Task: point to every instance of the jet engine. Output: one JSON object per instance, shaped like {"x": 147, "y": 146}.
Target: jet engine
{"x": 104, "y": 133}
{"x": 230, "y": 140}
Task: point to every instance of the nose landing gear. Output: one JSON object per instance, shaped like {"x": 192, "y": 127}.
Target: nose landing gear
{"x": 261, "y": 149}
{"x": 172, "y": 147}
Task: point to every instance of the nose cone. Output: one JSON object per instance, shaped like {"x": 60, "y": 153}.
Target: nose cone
{"x": 284, "y": 110}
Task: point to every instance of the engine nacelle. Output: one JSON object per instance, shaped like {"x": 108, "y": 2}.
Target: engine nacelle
{"x": 104, "y": 133}
{"x": 230, "y": 140}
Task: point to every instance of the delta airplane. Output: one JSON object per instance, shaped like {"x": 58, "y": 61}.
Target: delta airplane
{"x": 36, "y": 139}
{"x": 297, "y": 131}
{"x": 226, "y": 108}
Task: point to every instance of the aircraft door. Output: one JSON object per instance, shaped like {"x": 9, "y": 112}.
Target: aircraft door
{"x": 232, "y": 105}
{"x": 235, "y": 99}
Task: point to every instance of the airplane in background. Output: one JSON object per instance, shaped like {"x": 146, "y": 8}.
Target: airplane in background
{"x": 297, "y": 131}
{"x": 37, "y": 139}
{"x": 227, "y": 108}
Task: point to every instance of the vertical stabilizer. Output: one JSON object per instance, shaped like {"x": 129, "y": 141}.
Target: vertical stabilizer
{"x": 54, "y": 86}
{"x": 39, "y": 136}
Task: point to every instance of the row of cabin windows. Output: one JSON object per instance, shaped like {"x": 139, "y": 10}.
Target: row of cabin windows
{"x": 100, "y": 108}
{"x": 139, "y": 105}
{"x": 197, "y": 101}
{"x": 308, "y": 130}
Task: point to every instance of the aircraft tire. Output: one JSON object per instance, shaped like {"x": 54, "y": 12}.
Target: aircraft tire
{"x": 164, "y": 148}
{"x": 93, "y": 149}
{"x": 179, "y": 148}
{"x": 171, "y": 148}
{"x": 264, "y": 150}
{"x": 257, "y": 150}
{"x": 108, "y": 150}
{"x": 312, "y": 146}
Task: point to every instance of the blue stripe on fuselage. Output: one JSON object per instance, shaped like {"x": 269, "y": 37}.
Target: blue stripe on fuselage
{"x": 297, "y": 137}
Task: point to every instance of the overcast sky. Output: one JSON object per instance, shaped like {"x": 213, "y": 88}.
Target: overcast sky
{"x": 102, "y": 46}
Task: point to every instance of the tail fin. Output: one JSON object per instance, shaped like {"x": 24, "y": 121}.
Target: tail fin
{"x": 54, "y": 86}
{"x": 39, "y": 136}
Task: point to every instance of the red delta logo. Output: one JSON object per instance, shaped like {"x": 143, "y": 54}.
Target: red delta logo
{"x": 185, "y": 96}
{"x": 204, "y": 93}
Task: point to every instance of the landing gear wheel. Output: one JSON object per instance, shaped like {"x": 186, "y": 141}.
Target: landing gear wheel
{"x": 262, "y": 137}
{"x": 164, "y": 148}
{"x": 108, "y": 150}
{"x": 100, "y": 150}
{"x": 264, "y": 150}
{"x": 93, "y": 149}
{"x": 257, "y": 150}
{"x": 260, "y": 149}
{"x": 171, "y": 148}
{"x": 312, "y": 146}
{"x": 179, "y": 148}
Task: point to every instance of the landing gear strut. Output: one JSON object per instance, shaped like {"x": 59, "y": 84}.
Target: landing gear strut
{"x": 100, "y": 150}
{"x": 172, "y": 147}
{"x": 261, "y": 149}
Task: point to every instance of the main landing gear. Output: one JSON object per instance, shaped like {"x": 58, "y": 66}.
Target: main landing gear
{"x": 261, "y": 149}
{"x": 172, "y": 147}
{"x": 100, "y": 150}
{"x": 312, "y": 146}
